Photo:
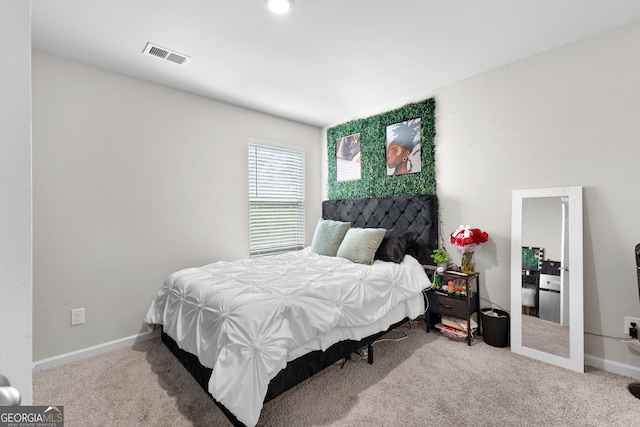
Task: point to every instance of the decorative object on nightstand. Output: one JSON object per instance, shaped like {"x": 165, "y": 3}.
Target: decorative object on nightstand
{"x": 468, "y": 239}
{"x": 440, "y": 258}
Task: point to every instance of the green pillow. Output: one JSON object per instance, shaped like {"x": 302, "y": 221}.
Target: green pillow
{"x": 360, "y": 244}
{"x": 328, "y": 236}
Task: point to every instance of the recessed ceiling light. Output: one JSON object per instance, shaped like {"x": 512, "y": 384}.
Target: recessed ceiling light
{"x": 279, "y": 6}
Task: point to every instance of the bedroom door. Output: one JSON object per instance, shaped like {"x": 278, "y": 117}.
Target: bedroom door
{"x": 15, "y": 196}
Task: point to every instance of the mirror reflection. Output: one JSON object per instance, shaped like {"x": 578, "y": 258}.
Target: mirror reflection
{"x": 545, "y": 284}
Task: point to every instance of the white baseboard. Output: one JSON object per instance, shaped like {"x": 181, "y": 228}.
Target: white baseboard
{"x": 612, "y": 366}
{"x": 63, "y": 359}
{"x": 40, "y": 365}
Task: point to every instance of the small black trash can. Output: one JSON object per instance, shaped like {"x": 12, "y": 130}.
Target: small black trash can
{"x": 495, "y": 330}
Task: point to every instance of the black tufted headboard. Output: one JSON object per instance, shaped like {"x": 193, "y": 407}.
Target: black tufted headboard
{"x": 414, "y": 213}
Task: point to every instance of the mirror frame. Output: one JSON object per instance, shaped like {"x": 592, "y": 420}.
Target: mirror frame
{"x": 575, "y": 361}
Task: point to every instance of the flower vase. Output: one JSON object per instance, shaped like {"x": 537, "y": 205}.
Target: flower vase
{"x": 468, "y": 265}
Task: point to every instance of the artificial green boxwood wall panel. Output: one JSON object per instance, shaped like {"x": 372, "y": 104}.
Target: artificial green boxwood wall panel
{"x": 374, "y": 181}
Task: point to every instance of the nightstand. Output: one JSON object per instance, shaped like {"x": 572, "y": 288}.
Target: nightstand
{"x": 447, "y": 304}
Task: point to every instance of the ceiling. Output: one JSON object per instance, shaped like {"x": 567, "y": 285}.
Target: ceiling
{"x": 326, "y": 62}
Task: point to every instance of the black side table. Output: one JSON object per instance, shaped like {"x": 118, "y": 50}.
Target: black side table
{"x": 463, "y": 306}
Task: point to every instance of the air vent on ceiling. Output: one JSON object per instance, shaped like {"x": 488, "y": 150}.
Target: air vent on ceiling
{"x": 162, "y": 53}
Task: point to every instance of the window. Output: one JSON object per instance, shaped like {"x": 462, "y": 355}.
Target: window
{"x": 276, "y": 199}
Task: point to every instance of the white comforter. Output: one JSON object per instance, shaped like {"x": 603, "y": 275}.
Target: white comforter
{"x": 246, "y": 319}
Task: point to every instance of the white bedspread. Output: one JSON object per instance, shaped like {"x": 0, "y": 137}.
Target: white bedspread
{"x": 246, "y": 319}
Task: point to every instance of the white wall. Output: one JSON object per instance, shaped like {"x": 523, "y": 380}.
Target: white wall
{"x": 566, "y": 117}
{"x": 133, "y": 181}
{"x": 15, "y": 195}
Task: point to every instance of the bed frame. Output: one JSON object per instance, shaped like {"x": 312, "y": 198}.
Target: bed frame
{"x": 414, "y": 213}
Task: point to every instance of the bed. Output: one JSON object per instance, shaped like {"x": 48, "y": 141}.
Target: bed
{"x": 292, "y": 315}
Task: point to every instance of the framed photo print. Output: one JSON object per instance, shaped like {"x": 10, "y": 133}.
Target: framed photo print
{"x": 403, "y": 147}
{"x": 348, "y": 158}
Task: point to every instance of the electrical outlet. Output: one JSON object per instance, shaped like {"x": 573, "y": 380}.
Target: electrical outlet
{"x": 627, "y": 324}
{"x": 77, "y": 316}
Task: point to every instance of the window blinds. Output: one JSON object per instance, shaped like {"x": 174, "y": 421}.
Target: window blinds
{"x": 276, "y": 199}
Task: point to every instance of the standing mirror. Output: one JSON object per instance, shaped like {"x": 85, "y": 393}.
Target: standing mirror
{"x": 546, "y": 276}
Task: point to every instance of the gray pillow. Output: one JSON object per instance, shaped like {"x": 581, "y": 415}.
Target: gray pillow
{"x": 328, "y": 236}
{"x": 360, "y": 244}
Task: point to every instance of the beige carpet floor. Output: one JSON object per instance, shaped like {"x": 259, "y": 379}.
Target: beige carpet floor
{"x": 424, "y": 380}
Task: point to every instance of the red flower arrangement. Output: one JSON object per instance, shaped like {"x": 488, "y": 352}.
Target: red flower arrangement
{"x": 464, "y": 236}
{"x": 467, "y": 239}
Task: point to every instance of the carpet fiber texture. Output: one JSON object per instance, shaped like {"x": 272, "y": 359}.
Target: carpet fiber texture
{"x": 423, "y": 380}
